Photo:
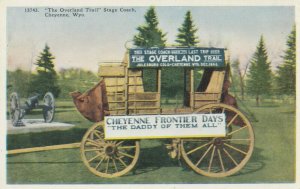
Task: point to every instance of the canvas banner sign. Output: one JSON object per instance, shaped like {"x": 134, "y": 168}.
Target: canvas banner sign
{"x": 176, "y": 57}
{"x": 165, "y": 126}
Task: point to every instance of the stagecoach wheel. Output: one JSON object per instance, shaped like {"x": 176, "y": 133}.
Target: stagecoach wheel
{"x": 221, "y": 156}
{"x": 49, "y": 107}
{"x": 107, "y": 158}
{"x": 15, "y": 112}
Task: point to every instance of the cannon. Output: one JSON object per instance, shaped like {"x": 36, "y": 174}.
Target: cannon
{"x": 18, "y": 110}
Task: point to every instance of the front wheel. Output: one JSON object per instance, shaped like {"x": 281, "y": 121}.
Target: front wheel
{"x": 107, "y": 158}
{"x": 49, "y": 107}
{"x": 15, "y": 111}
{"x": 221, "y": 156}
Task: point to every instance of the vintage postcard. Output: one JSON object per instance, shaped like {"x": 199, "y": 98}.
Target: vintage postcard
{"x": 151, "y": 94}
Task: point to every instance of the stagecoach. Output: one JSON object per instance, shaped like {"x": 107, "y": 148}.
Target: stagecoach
{"x": 125, "y": 113}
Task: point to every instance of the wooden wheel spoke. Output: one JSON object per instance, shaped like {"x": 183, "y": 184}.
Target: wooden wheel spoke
{"x": 221, "y": 160}
{"x": 107, "y": 158}
{"x": 106, "y": 169}
{"x": 127, "y": 155}
{"x": 114, "y": 162}
{"x": 126, "y": 147}
{"x": 92, "y": 136}
{"x": 211, "y": 158}
{"x": 234, "y": 148}
{"x": 120, "y": 159}
{"x": 235, "y": 131}
{"x": 97, "y": 135}
{"x": 198, "y": 148}
{"x": 223, "y": 110}
{"x": 99, "y": 132}
{"x": 231, "y": 121}
{"x": 93, "y": 143}
{"x": 204, "y": 155}
{"x": 119, "y": 143}
{"x": 232, "y": 159}
{"x": 93, "y": 158}
{"x": 224, "y": 156}
{"x": 100, "y": 162}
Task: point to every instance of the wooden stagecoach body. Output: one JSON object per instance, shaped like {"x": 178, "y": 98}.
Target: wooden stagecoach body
{"x": 126, "y": 95}
{"x": 209, "y": 156}
{"x": 121, "y": 93}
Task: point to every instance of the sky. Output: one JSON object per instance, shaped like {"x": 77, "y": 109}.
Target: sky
{"x": 84, "y": 42}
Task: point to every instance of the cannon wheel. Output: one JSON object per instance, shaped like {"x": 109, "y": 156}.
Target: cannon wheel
{"x": 221, "y": 156}
{"x": 15, "y": 112}
{"x": 49, "y": 107}
{"x": 107, "y": 158}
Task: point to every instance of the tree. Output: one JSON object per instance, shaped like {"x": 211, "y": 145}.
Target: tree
{"x": 149, "y": 34}
{"x": 259, "y": 76}
{"x": 75, "y": 79}
{"x": 186, "y": 36}
{"x": 45, "y": 61}
{"x": 46, "y": 78}
{"x": 286, "y": 73}
{"x": 238, "y": 77}
{"x": 18, "y": 81}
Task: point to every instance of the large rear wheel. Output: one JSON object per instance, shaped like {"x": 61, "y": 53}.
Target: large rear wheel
{"x": 221, "y": 156}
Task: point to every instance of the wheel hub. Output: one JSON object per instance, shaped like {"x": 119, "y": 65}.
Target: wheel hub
{"x": 110, "y": 150}
{"x": 218, "y": 142}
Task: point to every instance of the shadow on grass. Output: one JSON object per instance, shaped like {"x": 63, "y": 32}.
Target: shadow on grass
{"x": 154, "y": 158}
{"x": 256, "y": 163}
{"x": 40, "y": 112}
{"x": 71, "y": 106}
{"x": 288, "y": 112}
{"x": 35, "y": 112}
{"x": 28, "y": 140}
{"x": 151, "y": 158}
{"x": 265, "y": 106}
{"x": 64, "y": 111}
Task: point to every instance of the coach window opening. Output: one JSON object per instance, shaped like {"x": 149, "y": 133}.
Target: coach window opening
{"x": 193, "y": 80}
{"x": 151, "y": 79}
{"x": 187, "y": 79}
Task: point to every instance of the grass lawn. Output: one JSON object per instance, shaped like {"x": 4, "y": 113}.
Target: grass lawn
{"x": 273, "y": 159}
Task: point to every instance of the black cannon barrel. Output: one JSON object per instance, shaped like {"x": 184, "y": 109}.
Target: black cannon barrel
{"x": 32, "y": 102}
